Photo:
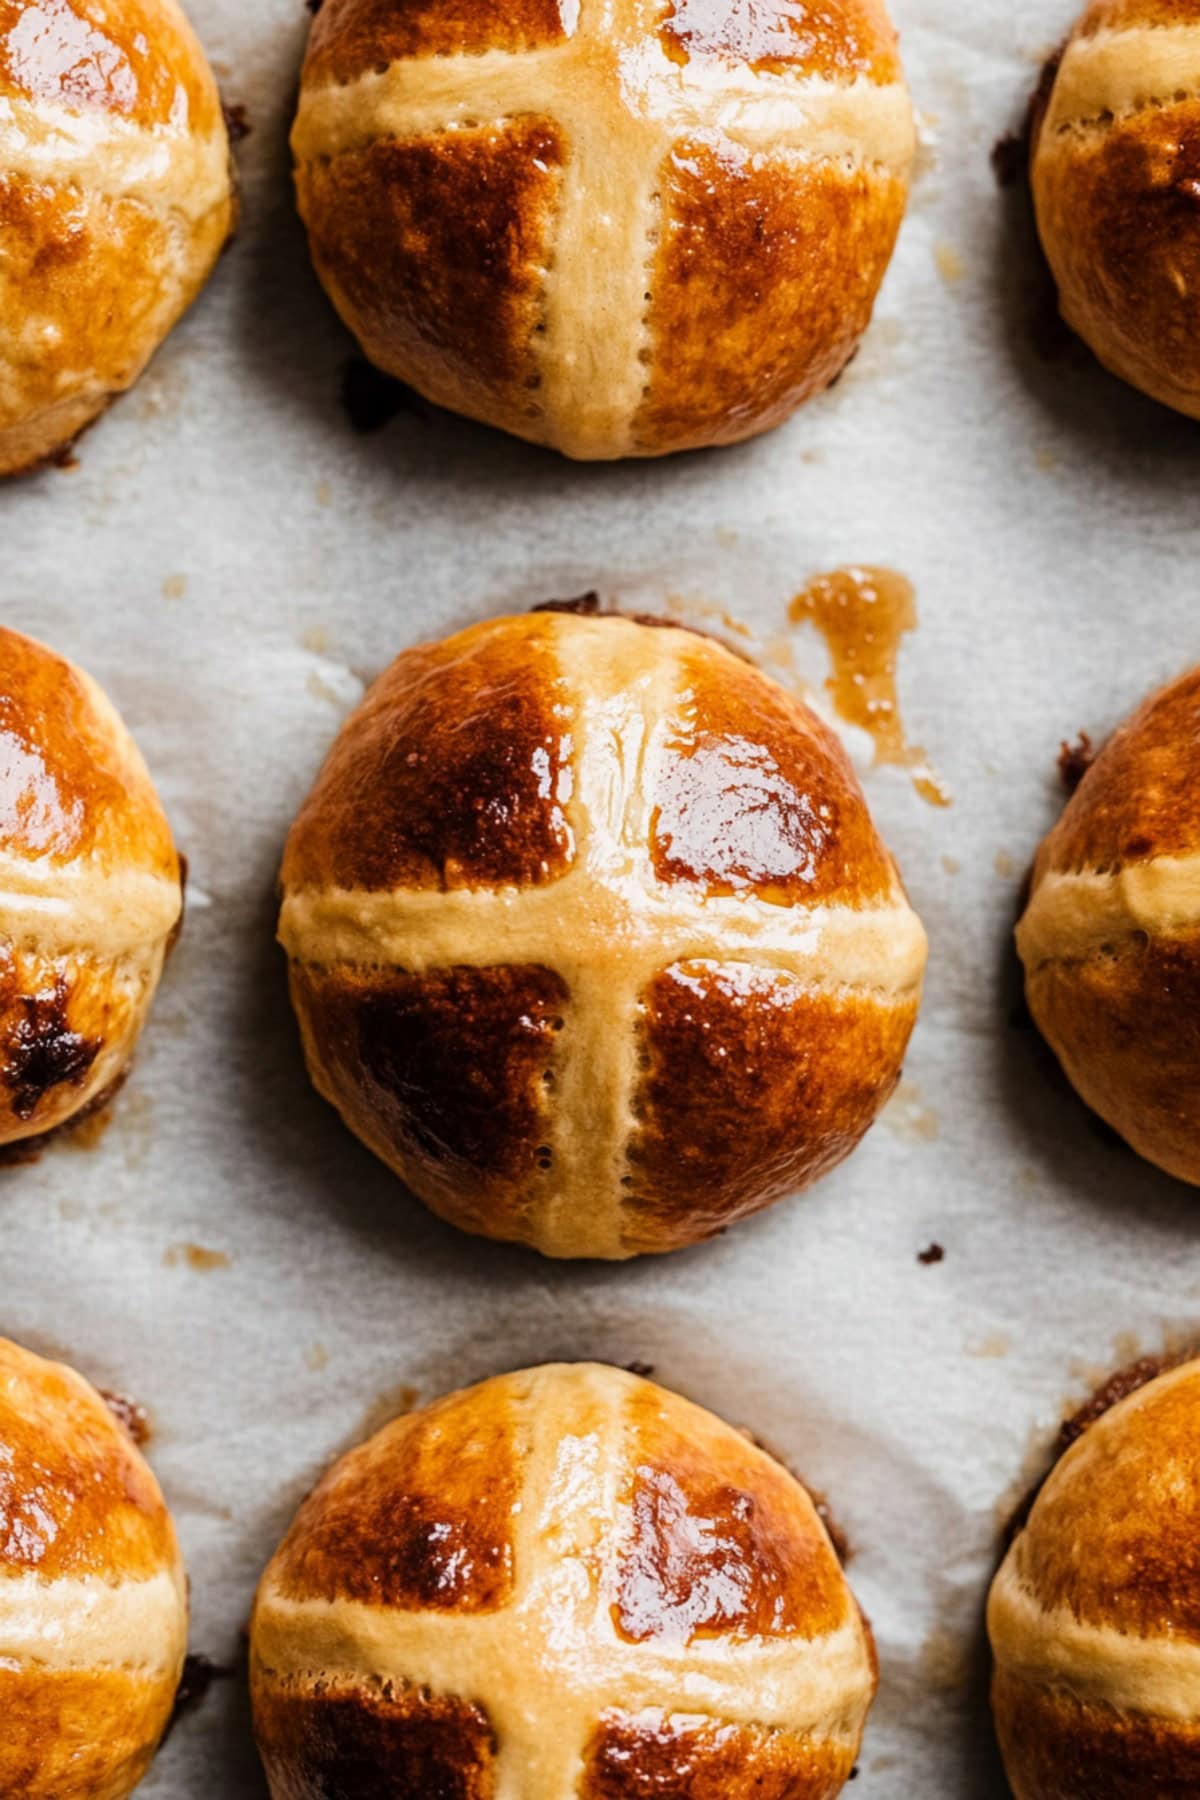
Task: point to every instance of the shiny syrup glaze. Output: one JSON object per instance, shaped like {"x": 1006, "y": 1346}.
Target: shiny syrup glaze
{"x": 51, "y": 48}
{"x": 462, "y": 752}
{"x": 36, "y": 808}
{"x": 862, "y": 613}
{"x": 653, "y": 1755}
{"x": 755, "y": 794}
{"x": 838, "y": 39}
{"x": 689, "y": 1574}
{"x": 351, "y": 37}
{"x": 721, "y": 1540}
{"x": 75, "y": 1496}
{"x": 420, "y": 1517}
{"x": 70, "y": 785}
{"x": 731, "y": 812}
{"x": 131, "y": 57}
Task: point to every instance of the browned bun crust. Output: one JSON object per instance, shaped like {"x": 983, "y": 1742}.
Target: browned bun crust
{"x": 90, "y": 895}
{"x": 1095, "y": 1614}
{"x": 545, "y": 222}
{"x": 1116, "y": 185}
{"x": 116, "y": 197}
{"x": 592, "y": 938}
{"x": 93, "y": 1609}
{"x": 531, "y": 1581}
{"x": 1111, "y": 935}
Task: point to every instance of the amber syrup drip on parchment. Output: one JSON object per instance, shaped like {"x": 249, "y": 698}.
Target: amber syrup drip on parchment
{"x": 862, "y": 613}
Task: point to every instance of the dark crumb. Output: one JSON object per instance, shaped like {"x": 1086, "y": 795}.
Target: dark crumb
{"x": 372, "y": 399}
{"x": 645, "y": 1370}
{"x": 65, "y": 458}
{"x": 237, "y": 121}
{"x": 128, "y": 1413}
{"x": 1010, "y": 158}
{"x": 1074, "y": 761}
{"x": 314, "y": 6}
{"x": 199, "y": 1674}
{"x": 934, "y": 1254}
{"x": 587, "y": 606}
{"x": 853, "y": 1775}
{"x": 590, "y": 606}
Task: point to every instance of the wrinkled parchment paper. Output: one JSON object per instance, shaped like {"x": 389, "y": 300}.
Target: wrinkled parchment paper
{"x": 232, "y": 561}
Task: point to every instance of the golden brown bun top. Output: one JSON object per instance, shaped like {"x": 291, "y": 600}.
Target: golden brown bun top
{"x": 73, "y": 785}
{"x": 841, "y": 39}
{"x": 1141, "y": 797}
{"x": 457, "y": 772}
{"x": 1114, "y": 1536}
{"x": 136, "y": 58}
{"x": 1112, "y": 15}
{"x": 76, "y": 1496}
{"x": 708, "y": 1536}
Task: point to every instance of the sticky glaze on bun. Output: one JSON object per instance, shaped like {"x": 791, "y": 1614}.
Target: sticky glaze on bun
{"x": 592, "y": 938}
{"x": 565, "y": 1581}
{"x": 614, "y": 229}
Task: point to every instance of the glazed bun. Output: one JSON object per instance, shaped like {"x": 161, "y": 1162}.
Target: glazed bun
{"x": 93, "y": 1608}
{"x": 115, "y": 200}
{"x": 1116, "y": 185}
{"x": 1111, "y": 935}
{"x": 565, "y": 1581}
{"x": 613, "y": 229}
{"x": 591, "y": 936}
{"x": 90, "y": 891}
{"x": 1094, "y": 1617}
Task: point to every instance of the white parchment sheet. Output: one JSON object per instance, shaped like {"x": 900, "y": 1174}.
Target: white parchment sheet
{"x": 232, "y": 561}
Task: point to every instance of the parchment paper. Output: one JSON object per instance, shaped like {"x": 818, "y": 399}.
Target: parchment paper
{"x": 232, "y": 562}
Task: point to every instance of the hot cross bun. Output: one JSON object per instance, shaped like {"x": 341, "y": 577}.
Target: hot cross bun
{"x": 592, "y": 938}
{"x": 565, "y": 1581}
{"x": 618, "y": 227}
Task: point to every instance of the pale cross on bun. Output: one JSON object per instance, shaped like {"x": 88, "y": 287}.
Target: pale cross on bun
{"x": 90, "y": 890}
{"x": 93, "y": 1600}
{"x": 116, "y": 197}
{"x": 592, "y": 938}
{"x": 566, "y": 1581}
{"x": 618, "y": 227}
